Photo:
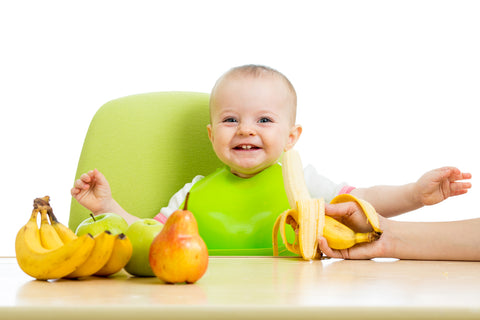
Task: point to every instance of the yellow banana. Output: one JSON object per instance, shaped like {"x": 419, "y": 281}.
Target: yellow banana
{"x": 122, "y": 252}
{"x": 307, "y": 216}
{"x": 311, "y": 220}
{"x": 287, "y": 217}
{"x": 65, "y": 233}
{"x": 48, "y": 236}
{"x": 99, "y": 256}
{"x": 339, "y": 236}
{"x": 293, "y": 178}
{"x": 44, "y": 264}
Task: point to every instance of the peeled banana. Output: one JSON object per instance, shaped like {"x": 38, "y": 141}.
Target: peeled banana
{"x": 293, "y": 178}
{"x": 53, "y": 251}
{"x": 307, "y": 216}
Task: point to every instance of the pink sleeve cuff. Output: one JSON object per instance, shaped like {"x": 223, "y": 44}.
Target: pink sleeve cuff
{"x": 346, "y": 189}
{"x": 161, "y": 218}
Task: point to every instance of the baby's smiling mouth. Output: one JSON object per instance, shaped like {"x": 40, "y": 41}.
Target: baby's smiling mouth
{"x": 246, "y": 147}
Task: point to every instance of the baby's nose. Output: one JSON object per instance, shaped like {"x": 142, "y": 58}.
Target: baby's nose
{"x": 245, "y": 130}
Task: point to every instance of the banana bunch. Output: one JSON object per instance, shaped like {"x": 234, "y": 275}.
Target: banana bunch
{"x": 53, "y": 251}
{"x": 307, "y": 216}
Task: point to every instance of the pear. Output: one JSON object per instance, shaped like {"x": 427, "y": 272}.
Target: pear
{"x": 178, "y": 253}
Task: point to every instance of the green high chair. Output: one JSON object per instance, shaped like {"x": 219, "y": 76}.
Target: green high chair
{"x": 148, "y": 146}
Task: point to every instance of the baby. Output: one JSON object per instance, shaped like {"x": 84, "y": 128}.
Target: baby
{"x": 252, "y": 122}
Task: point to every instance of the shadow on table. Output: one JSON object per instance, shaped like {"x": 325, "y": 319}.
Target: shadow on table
{"x": 120, "y": 289}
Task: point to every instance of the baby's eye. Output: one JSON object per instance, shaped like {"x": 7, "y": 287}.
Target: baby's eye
{"x": 265, "y": 120}
{"x": 230, "y": 120}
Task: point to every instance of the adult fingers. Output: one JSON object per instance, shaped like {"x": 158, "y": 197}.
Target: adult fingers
{"x": 350, "y": 214}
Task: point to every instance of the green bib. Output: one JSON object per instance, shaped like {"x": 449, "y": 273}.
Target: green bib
{"x": 235, "y": 216}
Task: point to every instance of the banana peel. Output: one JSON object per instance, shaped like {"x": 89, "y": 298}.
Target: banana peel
{"x": 309, "y": 223}
{"x": 307, "y": 216}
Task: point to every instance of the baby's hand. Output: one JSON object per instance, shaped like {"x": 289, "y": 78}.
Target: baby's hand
{"x": 93, "y": 192}
{"x": 439, "y": 184}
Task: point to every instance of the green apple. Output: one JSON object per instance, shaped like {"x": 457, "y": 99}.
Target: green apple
{"x": 141, "y": 234}
{"x": 104, "y": 221}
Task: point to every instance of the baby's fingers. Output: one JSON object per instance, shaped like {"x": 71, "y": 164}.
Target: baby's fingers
{"x": 88, "y": 177}
{"x": 459, "y": 188}
{"x": 458, "y": 175}
{"x": 85, "y": 180}
{"x": 465, "y": 175}
{"x": 455, "y": 174}
{"x": 81, "y": 184}
{"x": 74, "y": 191}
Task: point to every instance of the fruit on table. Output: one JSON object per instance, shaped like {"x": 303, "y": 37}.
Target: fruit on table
{"x": 53, "y": 251}
{"x": 65, "y": 233}
{"x": 307, "y": 216}
{"x": 141, "y": 234}
{"x": 178, "y": 253}
{"x": 44, "y": 264}
{"x": 99, "y": 256}
{"x": 121, "y": 254}
{"x": 99, "y": 223}
{"x": 48, "y": 235}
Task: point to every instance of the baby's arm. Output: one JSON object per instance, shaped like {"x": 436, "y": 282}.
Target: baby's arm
{"x": 176, "y": 201}
{"x": 93, "y": 192}
{"x": 432, "y": 188}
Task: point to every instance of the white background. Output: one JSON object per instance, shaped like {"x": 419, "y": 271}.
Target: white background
{"x": 387, "y": 89}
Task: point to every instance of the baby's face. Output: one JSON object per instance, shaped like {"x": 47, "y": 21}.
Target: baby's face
{"x": 252, "y": 122}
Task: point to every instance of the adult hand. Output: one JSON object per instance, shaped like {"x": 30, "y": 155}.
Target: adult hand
{"x": 351, "y": 215}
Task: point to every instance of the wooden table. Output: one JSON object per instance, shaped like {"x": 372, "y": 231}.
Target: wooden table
{"x": 257, "y": 287}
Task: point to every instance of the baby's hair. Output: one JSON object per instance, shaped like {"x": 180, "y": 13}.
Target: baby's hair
{"x": 256, "y": 71}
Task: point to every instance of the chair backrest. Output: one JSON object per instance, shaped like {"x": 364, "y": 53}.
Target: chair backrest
{"x": 148, "y": 146}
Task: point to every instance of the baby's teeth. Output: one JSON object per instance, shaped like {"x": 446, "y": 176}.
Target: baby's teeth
{"x": 246, "y": 147}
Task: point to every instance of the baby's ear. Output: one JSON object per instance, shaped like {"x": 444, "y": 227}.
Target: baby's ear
{"x": 294, "y": 135}
{"x": 209, "y": 130}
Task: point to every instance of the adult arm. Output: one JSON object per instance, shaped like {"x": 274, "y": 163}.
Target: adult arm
{"x": 449, "y": 240}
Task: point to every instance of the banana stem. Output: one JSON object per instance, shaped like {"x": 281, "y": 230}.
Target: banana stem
{"x": 44, "y": 204}
{"x": 53, "y": 218}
